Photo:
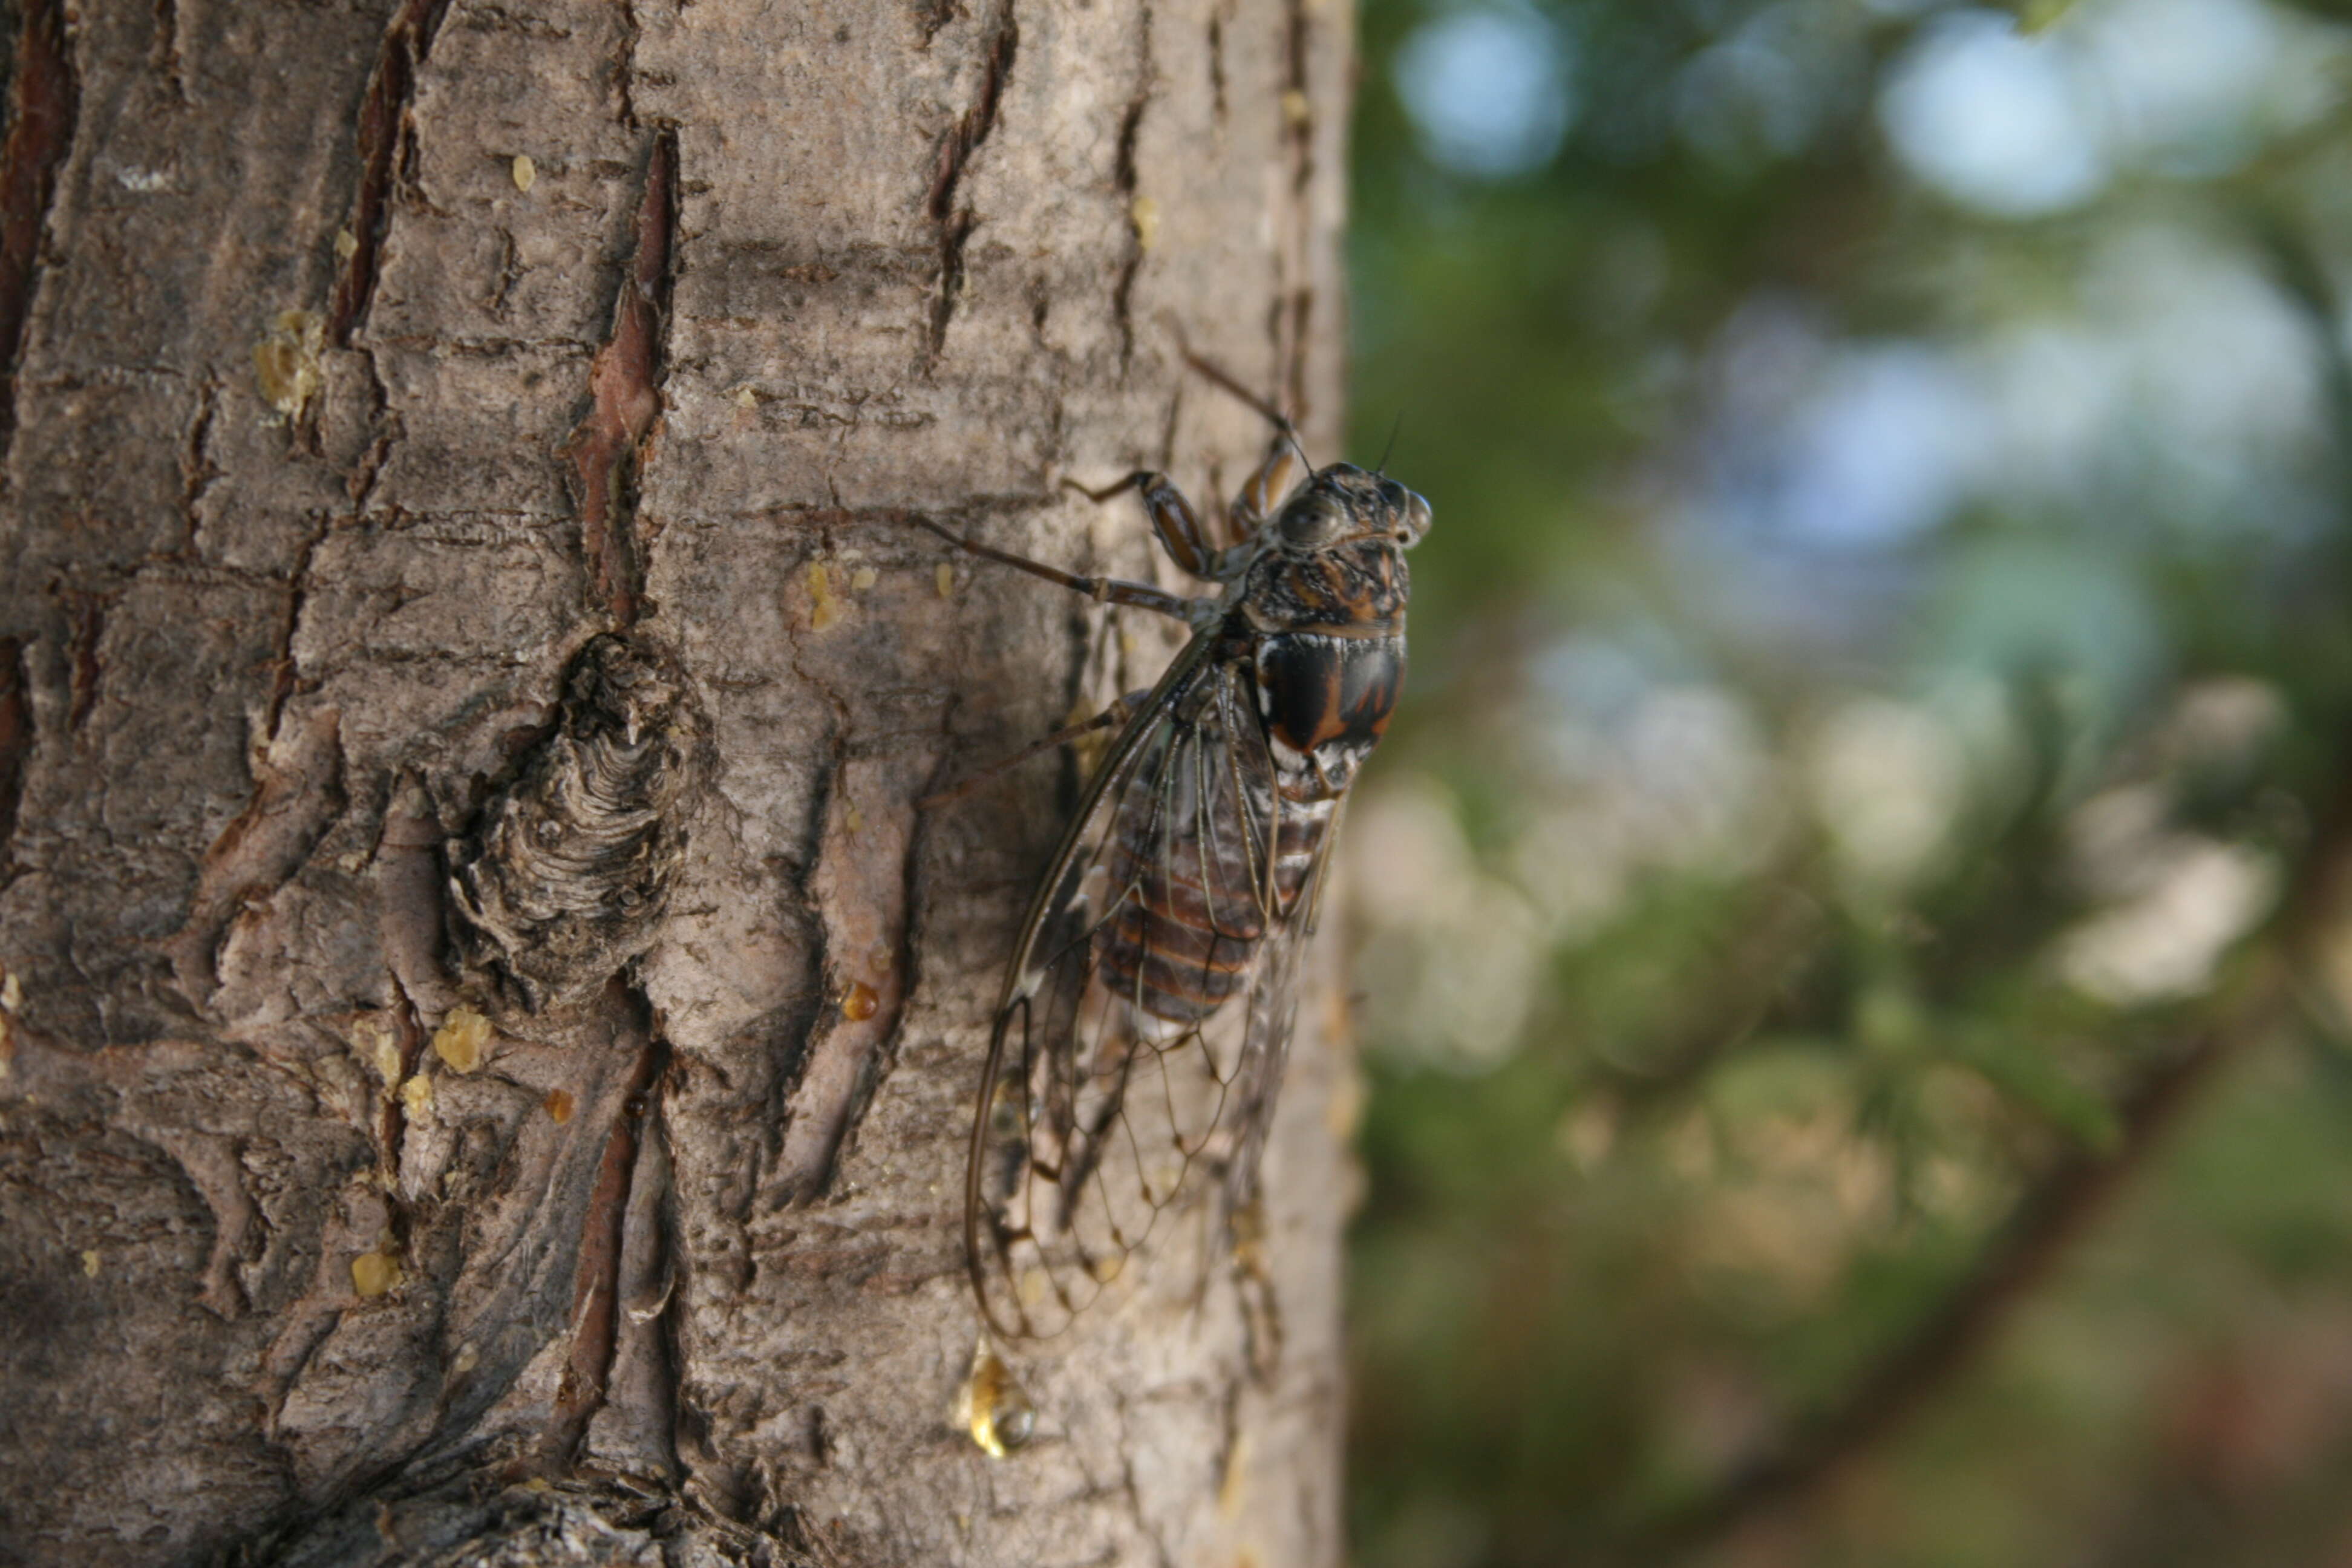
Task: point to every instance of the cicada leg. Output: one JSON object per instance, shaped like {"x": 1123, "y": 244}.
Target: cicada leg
{"x": 1102, "y": 590}
{"x": 1261, "y": 491}
{"x": 1175, "y": 522}
{"x": 1120, "y": 710}
{"x": 1173, "y": 518}
{"x": 1267, "y": 484}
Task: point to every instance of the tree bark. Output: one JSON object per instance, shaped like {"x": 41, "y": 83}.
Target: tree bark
{"x": 489, "y": 1025}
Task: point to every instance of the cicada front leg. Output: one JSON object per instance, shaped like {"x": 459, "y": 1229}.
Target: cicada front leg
{"x": 1262, "y": 491}
{"x": 1270, "y": 482}
{"x": 1173, "y": 518}
{"x": 1102, "y": 590}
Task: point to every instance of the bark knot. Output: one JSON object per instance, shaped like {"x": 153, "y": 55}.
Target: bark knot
{"x": 567, "y": 873}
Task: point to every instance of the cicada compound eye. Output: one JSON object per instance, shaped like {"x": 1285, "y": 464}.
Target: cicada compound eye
{"x": 1312, "y": 521}
{"x": 1412, "y": 520}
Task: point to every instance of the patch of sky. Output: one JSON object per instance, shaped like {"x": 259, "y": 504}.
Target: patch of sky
{"x": 2023, "y": 126}
{"x": 1996, "y": 121}
{"x": 1823, "y": 445}
{"x": 1489, "y": 89}
{"x": 2182, "y": 84}
{"x": 2179, "y": 374}
{"x": 2218, "y": 356}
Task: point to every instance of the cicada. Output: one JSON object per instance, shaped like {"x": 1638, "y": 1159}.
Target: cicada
{"x": 1140, "y": 1034}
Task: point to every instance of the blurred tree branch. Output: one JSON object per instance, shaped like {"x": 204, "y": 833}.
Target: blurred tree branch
{"x": 2266, "y": 996}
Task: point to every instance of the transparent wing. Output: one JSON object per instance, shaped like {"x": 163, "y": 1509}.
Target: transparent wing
{"x": 1145, "y": 1017}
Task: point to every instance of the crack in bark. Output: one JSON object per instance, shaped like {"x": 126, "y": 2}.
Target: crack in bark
{"x": 197, "y": 470}
{"x": 956, "y": 149}
{"x": 1217, "y": 107}
{"x": 615, "y": 437}
{"x": 281, "y": 649}
{"x": 383, "y": 116}
{"x": 1131, "y": 1493}
{"x": 392, "y": 1126}
{"x": 410, "y": 924}
{"x": 166, "y": 57}
{"x": 360, "y": 485}
{"x": 509, "y": 274}
{"x": 624, "y": 63}
{"x": 867, "y": 936}
{"x": 41, "y": 115}
{"x": 86, "y": 626}
{"x": 595, "y": 1299}
{"x": 932, "y": 14}
{"x": 297, "y": 796}
{"x": 16, "y": 742}
{"x": 807, "y": 1026}
{"x": 1130, "y": 126}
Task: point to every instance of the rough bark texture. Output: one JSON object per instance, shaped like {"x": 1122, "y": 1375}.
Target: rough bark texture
{"x": 466, "y": 681}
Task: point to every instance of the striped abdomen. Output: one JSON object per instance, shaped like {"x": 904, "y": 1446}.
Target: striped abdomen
{"x": 1190, "y": 862}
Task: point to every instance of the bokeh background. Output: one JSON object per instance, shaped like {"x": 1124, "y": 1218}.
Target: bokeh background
{"x": 1848, "y": 945}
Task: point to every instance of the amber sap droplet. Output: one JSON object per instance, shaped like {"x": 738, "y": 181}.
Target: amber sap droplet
{"x": 859, "y": 1002}
{"x": 460, "y": 1039}
{"x": 992, "y": 1407}
{"x": 824, "y": 608}
{"x": 559, "y": 1106}
{"x": 374, "y": 1273}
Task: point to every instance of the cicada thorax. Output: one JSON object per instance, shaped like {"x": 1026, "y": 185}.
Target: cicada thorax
{"x": 1329, "y": 661}
{"x": 1327, "y": 701}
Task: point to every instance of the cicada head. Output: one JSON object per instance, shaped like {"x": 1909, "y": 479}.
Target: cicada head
{"x": 1342, "y": 504}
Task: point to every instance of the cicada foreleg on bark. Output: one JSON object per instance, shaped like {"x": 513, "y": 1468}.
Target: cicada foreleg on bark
{"x": 1178, "y": 528}
{"x": 1173, "y": 521}
{"x": 1102, "y": 590}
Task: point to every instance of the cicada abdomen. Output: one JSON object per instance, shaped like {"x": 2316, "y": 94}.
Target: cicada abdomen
{"x": 1190, "y": 860}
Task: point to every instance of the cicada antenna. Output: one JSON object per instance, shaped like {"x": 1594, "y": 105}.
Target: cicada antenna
{"x": 1224, "y": 378}
{"x": 1264, "y": 410}
{"x": 1394, "y": 425}
{"x": 1269, "y": 413}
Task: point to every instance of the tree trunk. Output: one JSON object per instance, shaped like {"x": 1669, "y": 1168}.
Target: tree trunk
{"x": 489, "y": 1026}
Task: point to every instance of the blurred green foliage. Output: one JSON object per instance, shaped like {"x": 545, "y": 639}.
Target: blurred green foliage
{"x": 1847, "y": 960}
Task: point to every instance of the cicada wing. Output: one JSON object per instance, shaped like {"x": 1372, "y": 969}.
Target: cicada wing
{"x": 1273, "y": 1014}
{"x": 1137, "y": 1026}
